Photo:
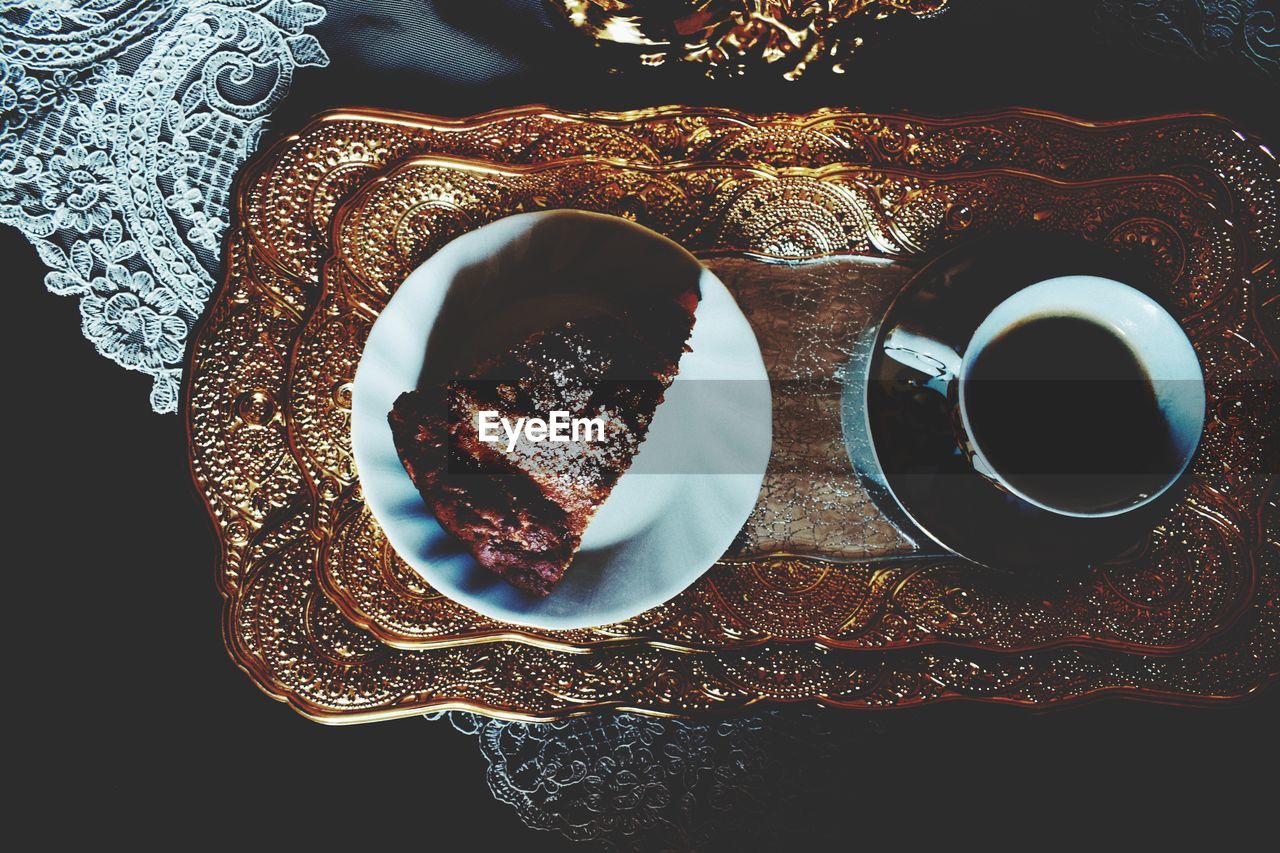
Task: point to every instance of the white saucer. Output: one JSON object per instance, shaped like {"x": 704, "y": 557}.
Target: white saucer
{"x": 698, "y": 473}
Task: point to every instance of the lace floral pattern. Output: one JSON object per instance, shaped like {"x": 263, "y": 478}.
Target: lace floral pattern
{"x": 1246, "y": 32}
{"x": 122, "y": 124}
{"x": 630, "y": 782}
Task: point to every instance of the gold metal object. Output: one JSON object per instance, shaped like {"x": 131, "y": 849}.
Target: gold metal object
{"x": 267, "y": 399}
{"x": 734, "y": 37}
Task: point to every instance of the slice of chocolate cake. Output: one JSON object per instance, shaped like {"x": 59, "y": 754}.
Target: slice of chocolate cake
{"x": 521, "y": 505}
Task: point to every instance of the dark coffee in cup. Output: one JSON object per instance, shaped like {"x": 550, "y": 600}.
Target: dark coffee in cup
{"x": 1078, "y": 394}
{"x": 1066, "y": 413}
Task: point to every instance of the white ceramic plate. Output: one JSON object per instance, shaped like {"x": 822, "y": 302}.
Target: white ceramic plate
{"x": 696, "y": 477}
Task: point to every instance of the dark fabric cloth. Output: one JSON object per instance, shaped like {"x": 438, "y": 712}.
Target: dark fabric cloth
{"x": 1089, "y": 58}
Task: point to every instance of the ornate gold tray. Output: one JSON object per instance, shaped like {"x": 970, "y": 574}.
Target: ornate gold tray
{"x": 754, "y": 596}
{"x": 245, "y": 419}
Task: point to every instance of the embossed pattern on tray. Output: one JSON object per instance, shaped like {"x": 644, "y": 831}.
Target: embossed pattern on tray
{"x": 1203, "y": 562}
{"x": 296, "y": 645}
{"x": 239, "y": 409}
{"x": 286, "y": 200}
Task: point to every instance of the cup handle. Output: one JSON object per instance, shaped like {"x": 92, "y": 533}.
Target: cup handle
{"x": 934, "y": 359}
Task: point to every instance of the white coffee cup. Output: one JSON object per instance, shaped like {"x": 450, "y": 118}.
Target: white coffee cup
{"x": 1156, "y": 342}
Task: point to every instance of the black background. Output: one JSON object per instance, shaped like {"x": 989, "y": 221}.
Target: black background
{"x": 125, "y": 735}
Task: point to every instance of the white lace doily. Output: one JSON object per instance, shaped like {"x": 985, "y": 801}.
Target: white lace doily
{"x": 122, "y": 125}
{"x": 633, "y": 783}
